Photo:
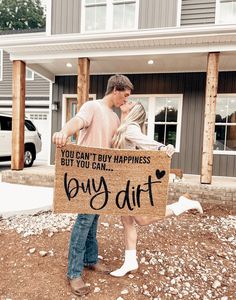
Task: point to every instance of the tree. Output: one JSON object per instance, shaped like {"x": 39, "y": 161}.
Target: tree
{"x": 21, "y": 14}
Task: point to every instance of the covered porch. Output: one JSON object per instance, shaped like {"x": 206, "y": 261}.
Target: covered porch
{"x": 172, "y": 51}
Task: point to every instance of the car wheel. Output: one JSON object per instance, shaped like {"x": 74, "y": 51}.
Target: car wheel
{"x": 28, "y": 158}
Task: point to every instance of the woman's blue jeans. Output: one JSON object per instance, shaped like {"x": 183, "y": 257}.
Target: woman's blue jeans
{"x": 83, "y": 249}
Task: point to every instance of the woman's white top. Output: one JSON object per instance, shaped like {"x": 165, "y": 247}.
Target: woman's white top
{"x": 135, "y": 139}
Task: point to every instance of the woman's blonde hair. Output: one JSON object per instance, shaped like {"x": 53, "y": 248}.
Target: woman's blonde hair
{"x": 137, "y": 115}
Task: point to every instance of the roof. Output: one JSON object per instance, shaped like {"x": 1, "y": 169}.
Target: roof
{"x": 177, "y": 49}
{"x": 21, "y": 31}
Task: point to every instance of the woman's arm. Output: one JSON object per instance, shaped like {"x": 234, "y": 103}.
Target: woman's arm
{"x": 142, "y": 141}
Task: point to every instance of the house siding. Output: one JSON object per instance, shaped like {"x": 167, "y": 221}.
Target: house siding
{"x": 157, "y": 13}
{"x": 198, "y": 12}
{"x": 192, "y": 86}
{"x": 38, "y": 86}
{"x": 66, "y": 16}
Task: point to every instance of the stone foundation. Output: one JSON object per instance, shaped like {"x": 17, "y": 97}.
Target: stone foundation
{"x": 222, "y": 192}
{"x": 205, "y": 193}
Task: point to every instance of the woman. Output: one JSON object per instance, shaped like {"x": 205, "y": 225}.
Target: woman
{"x": 130, "y": 136}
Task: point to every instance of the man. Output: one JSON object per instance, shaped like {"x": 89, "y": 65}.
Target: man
{"x": 97, "y": 124}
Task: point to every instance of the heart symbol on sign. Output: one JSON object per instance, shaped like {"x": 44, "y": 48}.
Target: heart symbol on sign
{"x": 160, "y": 174}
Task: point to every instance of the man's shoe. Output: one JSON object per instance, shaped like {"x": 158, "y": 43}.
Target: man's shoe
{"x": 99, "y": 268}
{"x": 78, "y": 287}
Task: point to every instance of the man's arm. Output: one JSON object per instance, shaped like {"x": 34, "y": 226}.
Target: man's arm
{"x": 71, "y": 127}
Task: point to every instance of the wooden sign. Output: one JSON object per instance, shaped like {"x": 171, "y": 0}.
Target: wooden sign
{"x": 108, "y": 181}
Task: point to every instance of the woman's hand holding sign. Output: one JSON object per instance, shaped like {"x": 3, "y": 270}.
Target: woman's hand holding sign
{"x": 169, "y": 149}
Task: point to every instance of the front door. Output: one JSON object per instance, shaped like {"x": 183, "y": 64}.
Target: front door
{"x": 71, "y": 108}
{"x": 71, "y": 111}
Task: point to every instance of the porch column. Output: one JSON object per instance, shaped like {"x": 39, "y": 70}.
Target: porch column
{"x": 18, "y": 112}
{"x": 209, "y": 116}
{"x": 83, "y": 81}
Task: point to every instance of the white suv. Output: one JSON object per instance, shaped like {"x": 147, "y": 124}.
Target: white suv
{"x": 33, "y": 143}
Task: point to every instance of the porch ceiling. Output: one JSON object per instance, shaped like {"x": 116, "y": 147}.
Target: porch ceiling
{"x": 163, "y": 63}
{"x": 172, "y": 50}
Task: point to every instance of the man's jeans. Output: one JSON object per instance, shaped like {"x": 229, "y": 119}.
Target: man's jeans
{"x": 83, "y": 249}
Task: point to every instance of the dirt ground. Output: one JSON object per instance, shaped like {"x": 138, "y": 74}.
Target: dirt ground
{"x": 187, "y": 257}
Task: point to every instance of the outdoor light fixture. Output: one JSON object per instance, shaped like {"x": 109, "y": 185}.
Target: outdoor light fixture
{"x": 69, "y": 65}
{"x": 150, "y": 62}
{"x": 54, "y": 106}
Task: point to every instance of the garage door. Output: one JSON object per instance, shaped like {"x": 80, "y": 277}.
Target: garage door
{"x": 41, "y": 121}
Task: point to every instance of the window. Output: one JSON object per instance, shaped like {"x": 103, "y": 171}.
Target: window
{"x": 107, "y": 15}
{"x": 29, "y": 74}
{"x": 38, "y": 116}
{"x": 5, "y": 123}
{"x": 226, "y": 12}
{"x": 123, "y": 15}
{"x": 29, "y": 125}
{"x": 163, "y": 117}
{"x": 225, "y": 124}
{"x": 1, "y": 64}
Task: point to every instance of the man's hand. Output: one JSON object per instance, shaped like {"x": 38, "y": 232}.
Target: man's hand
{"x": 59, "y": 139}
{"x": 169, "y": 149}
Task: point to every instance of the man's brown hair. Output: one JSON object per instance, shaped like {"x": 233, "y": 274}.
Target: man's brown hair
{"x": 119, "y": 83}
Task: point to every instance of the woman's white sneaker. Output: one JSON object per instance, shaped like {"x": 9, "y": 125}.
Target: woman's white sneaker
{"x": 125, "y": 269}
{"x": 190, "y": 204}
{"x": 184, "y": 204}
